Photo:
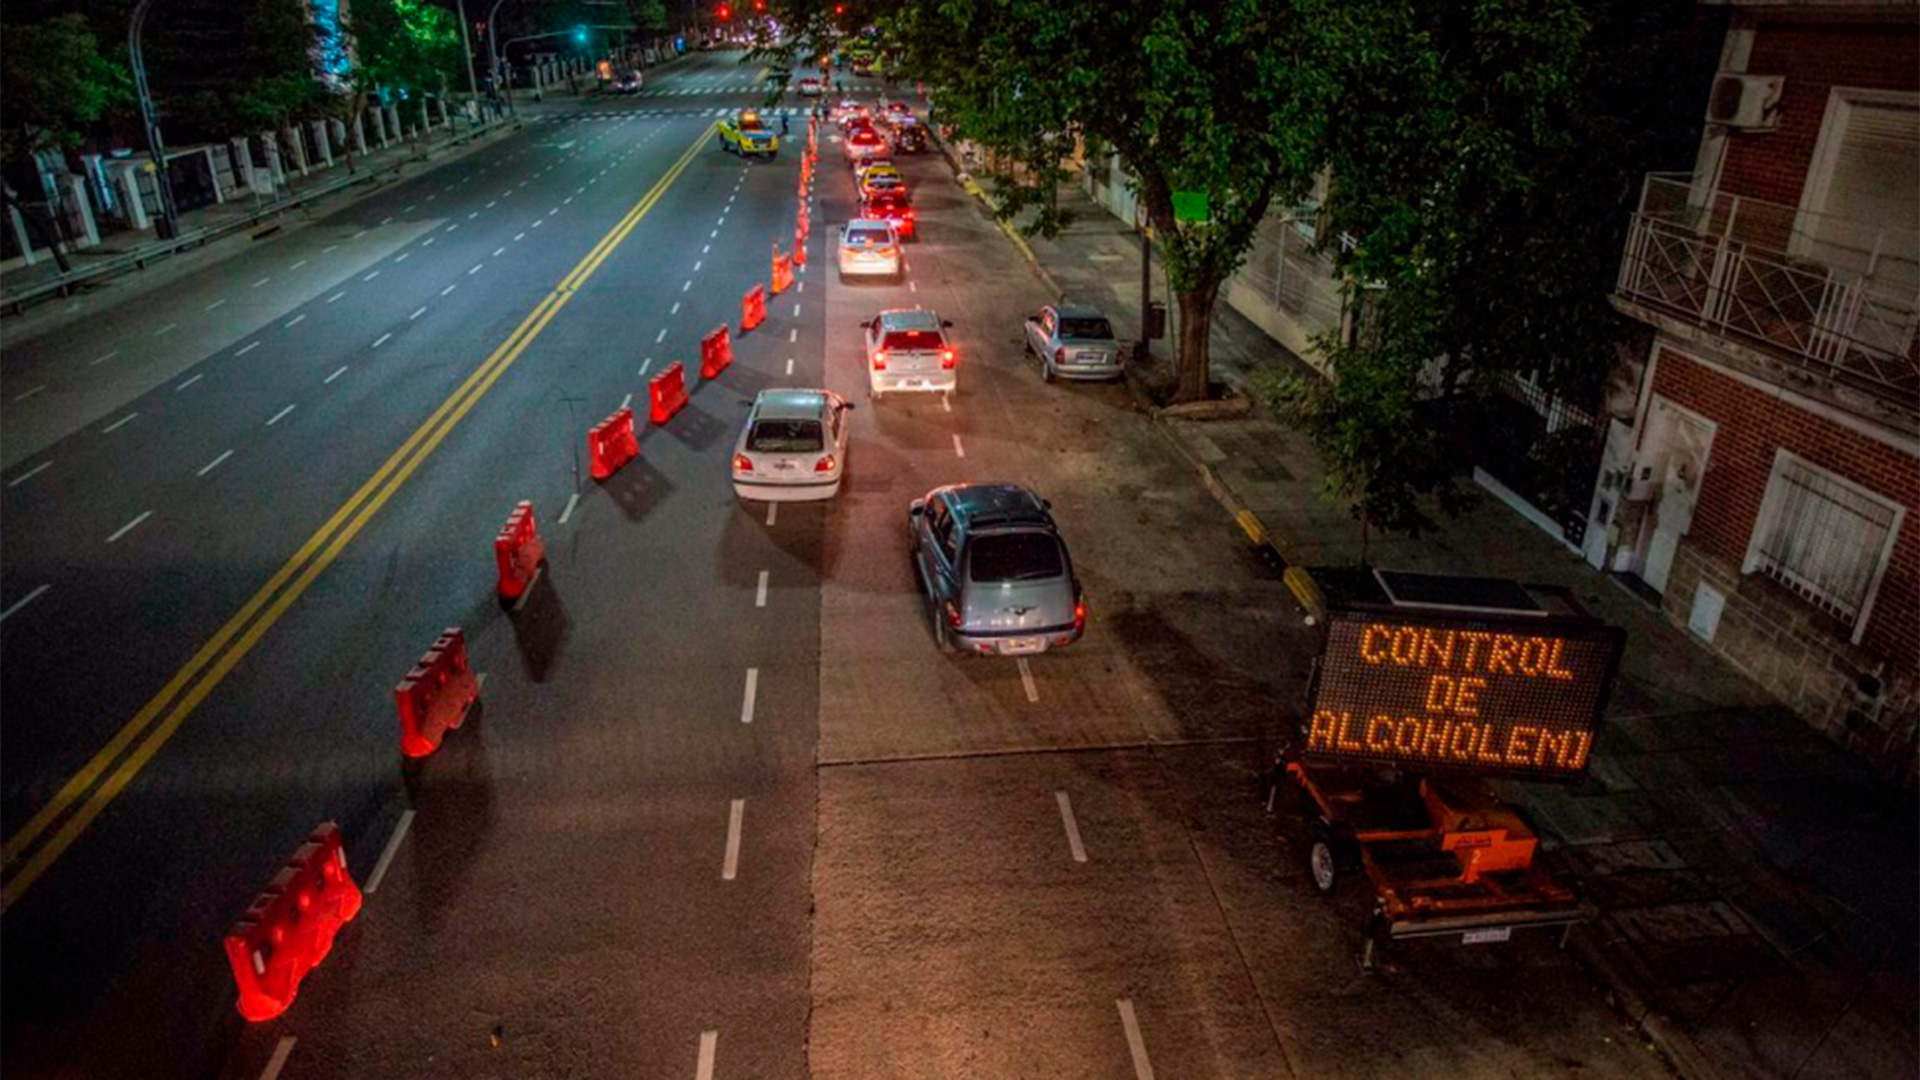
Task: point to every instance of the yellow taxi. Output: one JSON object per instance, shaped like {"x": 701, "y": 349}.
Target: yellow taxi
{"x": 745, "y": 133}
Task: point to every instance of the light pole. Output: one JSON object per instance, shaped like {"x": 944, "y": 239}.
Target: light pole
{"x": 466, "y": 45}
{"x": 493, "y": 58}
{"x": 168, "y": 224}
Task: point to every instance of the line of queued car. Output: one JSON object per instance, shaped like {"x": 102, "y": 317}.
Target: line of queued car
{"x": 989, "y": 558}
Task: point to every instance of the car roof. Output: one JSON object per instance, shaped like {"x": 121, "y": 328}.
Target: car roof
{"x": 870, "y": 224}
{"x": 982, "y": 505}
{"x": 788, "y": 404}
{"x": 909, "y": 319}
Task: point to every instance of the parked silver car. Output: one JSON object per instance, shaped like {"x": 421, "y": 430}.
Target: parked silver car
{"x": 995, "y": 570}
{"x": 1073, "y": 341}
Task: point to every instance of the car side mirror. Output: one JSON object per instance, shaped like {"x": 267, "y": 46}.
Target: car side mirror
{"x": 915, "y": 510}
{"x": 946, "y": 324}
{"x": 1046, "y": 504}
{"x": 868, "y": 325}
{"x": 848, "y": 405}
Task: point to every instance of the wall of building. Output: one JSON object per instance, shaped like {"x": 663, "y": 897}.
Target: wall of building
{"x": 1815, "y": 52}
{"x": 1864, "y": 695}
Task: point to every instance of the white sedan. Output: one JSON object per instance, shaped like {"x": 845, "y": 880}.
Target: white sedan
{"x": 793, "y": 447}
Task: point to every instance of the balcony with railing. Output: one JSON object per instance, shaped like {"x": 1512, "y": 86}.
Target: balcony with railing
{"x": 1827, "y": 303}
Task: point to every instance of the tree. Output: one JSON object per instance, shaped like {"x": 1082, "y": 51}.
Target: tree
{"x": 56, "y": 84}
{"x": 402, "y": 47}
{"x": 218, "y": 67}
{"x": 1199, "y": 96}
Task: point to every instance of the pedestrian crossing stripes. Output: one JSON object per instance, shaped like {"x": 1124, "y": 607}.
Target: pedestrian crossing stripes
{"x": 796, "y": 112}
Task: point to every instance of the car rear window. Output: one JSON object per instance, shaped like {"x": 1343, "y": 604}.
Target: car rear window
{"x": 868, "y": 235}
{"x": 785, "y": 437}
{"x": 912, "y": 339}
{"x": 1020, "y": 556}
{"x": 1085, "y": 328}
{"x": 886, "y": 204}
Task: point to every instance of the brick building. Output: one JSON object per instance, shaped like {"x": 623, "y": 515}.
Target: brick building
{"x": 1764, "y": 483}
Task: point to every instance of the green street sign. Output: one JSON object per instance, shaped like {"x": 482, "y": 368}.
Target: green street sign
{"x": 1190, "y": 206}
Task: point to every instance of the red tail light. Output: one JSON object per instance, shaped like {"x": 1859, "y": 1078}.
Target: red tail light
{"x": 742, "y": 463}
{"x": 826, "y": 464}
{"x": 1079, "y": 613}
{"x": 947, "y": 359}
{"x": 1059, "y": 356}
{"x": 953, "y": 614}
{"x": 880, "y": 361}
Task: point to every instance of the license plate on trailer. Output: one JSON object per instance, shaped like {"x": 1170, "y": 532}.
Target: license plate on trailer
{"x": 1021, "y": 646}
{"x": 1487, "y": 936}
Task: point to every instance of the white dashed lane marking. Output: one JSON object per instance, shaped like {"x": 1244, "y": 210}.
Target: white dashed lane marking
{"x": 129, "y": 526}
{"x": 214, "y": 464}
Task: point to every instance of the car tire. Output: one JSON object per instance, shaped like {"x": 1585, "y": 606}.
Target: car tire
{"x": 1046, "y": 370}
{"x": 942, "y": 637}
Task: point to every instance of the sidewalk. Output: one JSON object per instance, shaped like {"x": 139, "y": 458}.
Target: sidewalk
{"x": 135, "y": 249}
{"x": 1758, "y": 886}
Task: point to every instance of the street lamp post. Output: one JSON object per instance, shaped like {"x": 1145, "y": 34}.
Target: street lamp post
{"x": 167, "y": 226}
{"x": 466, "y": 45}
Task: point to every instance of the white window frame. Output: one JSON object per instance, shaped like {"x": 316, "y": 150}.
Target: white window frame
{"x": 1771, "y": 506}
{"x": 1826, "y": 152}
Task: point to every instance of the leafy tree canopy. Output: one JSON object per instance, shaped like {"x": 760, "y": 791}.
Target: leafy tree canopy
{"x": 405, "y": 45}
{"x": 56, "y": 83}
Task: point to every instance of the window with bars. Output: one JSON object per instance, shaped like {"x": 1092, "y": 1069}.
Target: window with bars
{"x": 1823, "y": 537}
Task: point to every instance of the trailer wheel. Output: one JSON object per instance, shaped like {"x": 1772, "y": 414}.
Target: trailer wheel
{"x": 1330, "y": 856}
{"x": 1320, "y": 865}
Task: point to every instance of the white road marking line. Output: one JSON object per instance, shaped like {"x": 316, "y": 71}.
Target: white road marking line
{"x": 371, "y": 276}
{"x": 281, "y": 415}
{"x": 703, "y": 1070}
{"x": 517, "y": 237}
{"x": 687, "y": 286}
{"x": 796, "y": 310}
{"x": 526, "y": 594}
{"x": 722, "y": 221}
{"x": 789, "y": 365}
{"x": 539, "y": 223}
{"x": 411, "y": 209}
{"x": 402, "y": 257}
{"x": 696, "y": 265}
{"x": 493, "y": 204}
{"x": 946, "y": 402}
{"x": 704, "y": 248}
{"x": 387, "y": 853}
{"x": 281, "y": 1051}
{"x": 118, "y": 424}
{"x": 104, "y": 359}
{"x": 388, "y": 220}
{"x": 422, "y": 310}
{"x": 793, "y": 335}
{"x": 730, "y": 868}
{"x": 186, "y": 384}
{"x": 553, "y": 211}
{"x": 911, "y": 287}
{"x": 958, "y": 450}
{"x": 428, "y": 242}
{"x": 358, "y": 235}
{"x": 382, "y": 340}
{"x": 214, "y": 464}
{"x": 433, "y": 196}
{"x": 1136, "y": 1046}
{"x": 626, "y": 401}
{"x": 215, "y": 304}
{"x": 753, "y": 691}
{"x": 23, "y": 601}
{"x": 800, "y": 287}
{"x": 129, "y": 526}
{"x": 29, "y": 393}
{"x": 476, "y": 269}
{"x": 261, "y": 282}
{"x": 448, "y": 289}
{"x": 1073, "y": 827}
{"x": 453, "y": 226}
{"x": 30, "y": 474}
{"x": 295, "y": 321}
{"x": 245, "y": 349}
{"x": 760, "y": 591}
{"x": 335, "y": 375}
{"x": 473, "y": 215}
{"x": 661, "y": 336}
{"x": 165, "y": 330}
{"x": 497, "y": 252}
{"x": 298, "y": 265}
{"x": 645, "y": 364}
{"x": 573, "y": 500}
{"x": 329, "y": 249}
{"x": 713, "y": 235}
{"x": 675, "y": 309}
{"x": 335, "y": 296}
{"x": 773, "y": 512}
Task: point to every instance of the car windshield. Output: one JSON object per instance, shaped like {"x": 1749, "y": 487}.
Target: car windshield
{"x": 1096, "y": 329}
{"x": 1019, "y": 556}
{"x": 785, "y": 437}
{"x": 867, "y": 236}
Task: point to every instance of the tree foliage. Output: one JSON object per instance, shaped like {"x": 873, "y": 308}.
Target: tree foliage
{"x": 405, "y": 46}
{"x": 218, "y": 67}
{"x": 56, "y": 83}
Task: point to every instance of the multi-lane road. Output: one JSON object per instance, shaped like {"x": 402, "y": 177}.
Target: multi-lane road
{"x": 725, "y": 811}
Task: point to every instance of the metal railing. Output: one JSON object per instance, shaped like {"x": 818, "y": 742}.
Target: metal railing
{"x": 1760, "y": 272}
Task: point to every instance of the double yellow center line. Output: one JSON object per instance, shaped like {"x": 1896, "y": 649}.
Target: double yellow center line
{"x": 30, "y": 851}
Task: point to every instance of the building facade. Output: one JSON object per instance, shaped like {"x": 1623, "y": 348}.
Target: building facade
{"x": 1765, "y": 483}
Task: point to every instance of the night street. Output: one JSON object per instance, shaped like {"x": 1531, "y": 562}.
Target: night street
{"x": 728, "y": 805}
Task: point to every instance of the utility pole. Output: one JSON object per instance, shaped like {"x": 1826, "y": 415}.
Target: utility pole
{"x": 473, "y": 85}
{"x": 493, "y": 57}
{"x": 167, "y": 225}
{"x": 1146, "y": 289}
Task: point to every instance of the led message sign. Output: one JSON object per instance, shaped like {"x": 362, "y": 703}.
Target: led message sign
{"x": 1513, "y": 696}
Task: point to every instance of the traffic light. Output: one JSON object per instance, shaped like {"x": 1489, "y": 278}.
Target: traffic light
{"x": 580, "y": 34}
{"x": 725, "y": 13}
{"x": 839, "y": 9}
{"x": 759, "y": 5}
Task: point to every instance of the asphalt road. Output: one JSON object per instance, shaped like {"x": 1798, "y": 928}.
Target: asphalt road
{"x": 724, "y": 810}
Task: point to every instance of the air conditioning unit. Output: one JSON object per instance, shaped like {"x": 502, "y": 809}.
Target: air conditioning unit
{"x": 1751, "y": 102}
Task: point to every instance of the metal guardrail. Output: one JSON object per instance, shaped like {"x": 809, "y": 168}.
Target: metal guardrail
{"x": 14, "y": 301}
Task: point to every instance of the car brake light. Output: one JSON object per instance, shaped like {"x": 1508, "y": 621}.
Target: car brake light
{"x": 947, "y": 359}
{"x": 826, "y": 464}
{"x": 742, "y": 463}
{"x": 880, "y": 361}
{"x": 953, "y": 614}
{"x": 1079, "y": 613}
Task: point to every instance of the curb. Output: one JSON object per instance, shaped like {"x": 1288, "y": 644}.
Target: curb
{"x": 1012, "y": 234}
{"x": 1659, "y": 1029}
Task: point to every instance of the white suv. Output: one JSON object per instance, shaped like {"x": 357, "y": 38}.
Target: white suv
{"x": 907, "y": 349}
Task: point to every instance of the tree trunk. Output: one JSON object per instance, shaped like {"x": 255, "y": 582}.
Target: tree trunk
{"x": 1196, "y": 320}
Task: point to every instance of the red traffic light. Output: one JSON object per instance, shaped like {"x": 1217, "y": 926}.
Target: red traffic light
{"x": 839, "y": 9}
{"x": 759, "y": 5}
{"x": 725, "y": 12}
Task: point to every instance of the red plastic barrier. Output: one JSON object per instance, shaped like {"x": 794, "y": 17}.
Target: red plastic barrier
{"x": 804, "y": 225}
{"x": 518, "y": 552}
{"x": 753, "y": 308}
{"x": 800, "y": 244}
{"x": 668, "y": 392}
{"x": 436, "y": 694}
{"x": 716, "y": 353}
{"x": 289, "y": 928}
{"x": 782, "y": 272}
{"x": 611, "y": 443}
